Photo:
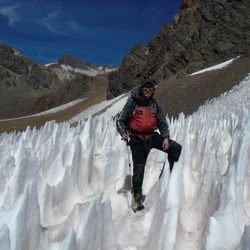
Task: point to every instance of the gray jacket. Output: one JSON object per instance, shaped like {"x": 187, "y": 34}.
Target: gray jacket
{"x": 136, "y": 100}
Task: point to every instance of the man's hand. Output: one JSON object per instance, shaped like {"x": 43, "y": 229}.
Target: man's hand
{"x": 125, "y": 136}
{"x": 165, "y": 144}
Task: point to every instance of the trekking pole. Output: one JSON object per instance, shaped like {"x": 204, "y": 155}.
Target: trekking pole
{"x": 162, "y": 170}
{"x": 133, "y": 204}
{"x": 130, "y": 166}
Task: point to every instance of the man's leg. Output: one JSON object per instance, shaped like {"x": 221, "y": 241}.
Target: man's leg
{"x": 139, "y": 155}
{"x": 173, "y": 151}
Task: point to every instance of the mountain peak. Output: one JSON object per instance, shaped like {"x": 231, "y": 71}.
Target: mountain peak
{"x": 74, "y": 62}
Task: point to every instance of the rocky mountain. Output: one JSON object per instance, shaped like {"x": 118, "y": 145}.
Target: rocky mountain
{"x": 27, "y": 87}
{"x": 79, "y": 86}
{"x": 22, "y": 82}
{"x": 18, "y": 71}
{"x": 204, "y": 33}
{"x": 79, "y": 78}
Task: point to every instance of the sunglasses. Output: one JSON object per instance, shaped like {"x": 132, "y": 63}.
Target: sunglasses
{"x": 150, "y": 89}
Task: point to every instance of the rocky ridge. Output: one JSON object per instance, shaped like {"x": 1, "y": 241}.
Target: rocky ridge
{"x": 75, "y": 65}
{"x": 204, "y": 33}
{"x": 27, "y": 87}
{"x": 18, "y": 71}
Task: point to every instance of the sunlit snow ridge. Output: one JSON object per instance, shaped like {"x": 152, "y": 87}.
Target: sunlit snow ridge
{"x": 216, "y": 67}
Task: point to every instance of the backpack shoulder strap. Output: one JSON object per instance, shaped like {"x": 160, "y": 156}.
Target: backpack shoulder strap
{"x": 132, "y": 106}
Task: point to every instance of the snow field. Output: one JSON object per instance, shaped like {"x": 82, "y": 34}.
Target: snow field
{"x": 58, "y": 185}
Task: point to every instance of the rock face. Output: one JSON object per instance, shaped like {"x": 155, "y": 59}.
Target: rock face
{"x": 12, "y": 60}
{"x": 203, "y": 33}
{"x": 18, "y": 71}
{"x": 22, "y": 82}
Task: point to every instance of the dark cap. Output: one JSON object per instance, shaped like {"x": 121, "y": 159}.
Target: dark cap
{"x": 148, "y": 83}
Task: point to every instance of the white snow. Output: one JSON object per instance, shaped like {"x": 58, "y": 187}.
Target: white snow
{"x": 62, "y": 107}
{"x": 107, "y": 108}
{"x": 50, "y": 111}
{"x": 49, "y": 64}
{"x": 89, "y": 72}
{"x": 59, "y": 185}
{"x": 216, "y": 67}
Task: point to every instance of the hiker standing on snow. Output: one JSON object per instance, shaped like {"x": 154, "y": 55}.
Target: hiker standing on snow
{"x": 140, "y": 117}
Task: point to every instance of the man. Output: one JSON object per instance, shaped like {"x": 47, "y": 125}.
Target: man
{"x": 140, "y": 117}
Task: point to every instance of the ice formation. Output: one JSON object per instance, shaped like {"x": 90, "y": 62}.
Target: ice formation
{"x": 59, "y": 185}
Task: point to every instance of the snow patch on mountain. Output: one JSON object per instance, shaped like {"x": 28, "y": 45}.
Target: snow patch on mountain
{"x": 50, "y": 64}
{"x": 50, "y": 111}
{"x": 107, "y": 108}
{"x": 237, "y": 99}
{"x": 90, "y": 71}
{"x": 216, "y": 67}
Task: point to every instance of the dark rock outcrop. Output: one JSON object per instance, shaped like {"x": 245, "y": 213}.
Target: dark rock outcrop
{"x": 204, "y": 33}
{"x": 19, "y": 72}
{"x": 43, "y": 77}
{"x": 12, "y": 61}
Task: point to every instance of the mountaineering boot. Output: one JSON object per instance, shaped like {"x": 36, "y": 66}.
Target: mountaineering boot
{"x": 139, "y": 199}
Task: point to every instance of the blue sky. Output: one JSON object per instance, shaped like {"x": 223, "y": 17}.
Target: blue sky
{"x": 97, "y": 31}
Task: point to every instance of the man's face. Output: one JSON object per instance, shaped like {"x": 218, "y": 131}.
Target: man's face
{"x": 147, "y": 92}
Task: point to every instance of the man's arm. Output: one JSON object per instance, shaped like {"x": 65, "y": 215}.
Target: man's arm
{"x": 162, "y": 122}
{"x": 122, "y": 123}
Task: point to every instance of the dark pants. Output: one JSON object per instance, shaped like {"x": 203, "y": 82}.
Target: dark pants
{"x": 140, "y": 150}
